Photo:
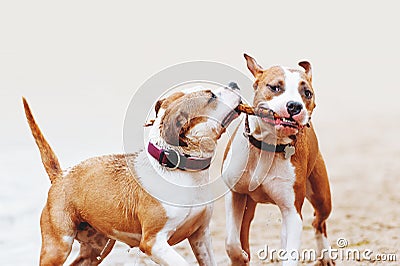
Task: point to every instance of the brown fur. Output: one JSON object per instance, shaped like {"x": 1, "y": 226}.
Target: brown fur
{"x": 100, "y": 200}
{"x": 105, "y": 182}
{"x": 311, "y": 176}
{"x": 307, "y": 156}
{"x": 275, "y": 76}
{"x": 95, "y": 198}
{"x": 185, "y": 112}
{"x": 309, "y": 169}
{"x": 49, "y": 158}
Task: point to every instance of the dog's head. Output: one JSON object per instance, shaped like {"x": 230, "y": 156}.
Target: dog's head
{"x": 287, "y": 92}
{"x": 195, "y": 119}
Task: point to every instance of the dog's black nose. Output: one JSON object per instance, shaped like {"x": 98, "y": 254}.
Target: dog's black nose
{"x": 233, "y": 85}
{"x": 294, "y": 108}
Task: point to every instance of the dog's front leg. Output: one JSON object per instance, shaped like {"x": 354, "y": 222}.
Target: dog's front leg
{"x": 235, "y": 204}
{"x": 200, "y": 242}
{"x": 292, "y": 225}
{"x": 158, "y": 249}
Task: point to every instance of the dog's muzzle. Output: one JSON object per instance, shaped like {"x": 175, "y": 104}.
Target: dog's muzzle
{"x": 269, "y": 116}
{"x": 231, "y": 116}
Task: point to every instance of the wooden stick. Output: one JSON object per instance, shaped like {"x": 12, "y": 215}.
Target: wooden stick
{"x": 262, "y": 112}
{"x": 244, "y": 108}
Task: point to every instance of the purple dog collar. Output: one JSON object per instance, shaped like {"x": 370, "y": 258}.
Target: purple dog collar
{"x": 174, "y": 160}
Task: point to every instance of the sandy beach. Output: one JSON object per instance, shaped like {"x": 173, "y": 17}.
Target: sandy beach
{"x": 365, "y": 201}
{"x": 363, "y": 170}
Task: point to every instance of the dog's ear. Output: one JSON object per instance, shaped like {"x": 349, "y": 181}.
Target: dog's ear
{"x": 158, "y": 106}
{"x": 307, "y": 69}
{"x": 252, "y": 65}
{"x": 172, "y": 127}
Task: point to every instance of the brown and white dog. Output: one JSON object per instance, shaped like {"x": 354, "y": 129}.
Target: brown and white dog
{"x": 277, "y": 160}
{"x": 104, "y": 199}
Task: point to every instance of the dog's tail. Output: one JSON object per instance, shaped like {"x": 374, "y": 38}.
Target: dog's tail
{"x": 49, "y": 158}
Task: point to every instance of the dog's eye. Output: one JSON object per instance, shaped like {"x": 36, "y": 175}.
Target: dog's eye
{"x": 274, "y": 88}
{"x": 308, "y": 94}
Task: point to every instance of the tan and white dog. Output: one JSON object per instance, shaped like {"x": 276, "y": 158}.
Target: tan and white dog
{"x": 104, "y": 199}
{"x": 276, "y": 160}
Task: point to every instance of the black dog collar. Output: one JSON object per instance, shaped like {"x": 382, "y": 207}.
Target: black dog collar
{"x": 287, "y": 149}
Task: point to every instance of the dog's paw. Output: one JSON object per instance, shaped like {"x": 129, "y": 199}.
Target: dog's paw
{"x": 239, "y": 258}
{"x": 325, "y": 262}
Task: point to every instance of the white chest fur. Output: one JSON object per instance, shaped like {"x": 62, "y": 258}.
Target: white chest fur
{"x": 258, "y": 172}
{"x": 278, "y": 182}
{"x": 175, "y": 190}
{"x": 175, "y": 187}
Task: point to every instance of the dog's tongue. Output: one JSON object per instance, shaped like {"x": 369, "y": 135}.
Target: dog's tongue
{"x": 280, "y": 122}
{"x": 276, "y": 121}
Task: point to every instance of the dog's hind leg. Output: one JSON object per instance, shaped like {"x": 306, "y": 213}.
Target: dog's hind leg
{"x": 58, "y": 233}
{"x": 94, "y": 246}
{"x": 247, "y": 219}
{"x": 318, "y": 193}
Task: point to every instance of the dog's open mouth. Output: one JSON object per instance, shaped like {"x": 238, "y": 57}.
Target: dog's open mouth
{"x": 269, "y": 116}
{"x": 272, "y": 118}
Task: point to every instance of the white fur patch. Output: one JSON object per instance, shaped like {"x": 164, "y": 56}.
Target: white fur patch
{"x": 68, "y": 239}
{"x": 292, "y": 81}
{"x": 170, "y": 186}
{"x": 322, "y": 244}
{"x": 291, "y": 93}
{"x": 279, "y": 180}
{"x": 162, "y": 253}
